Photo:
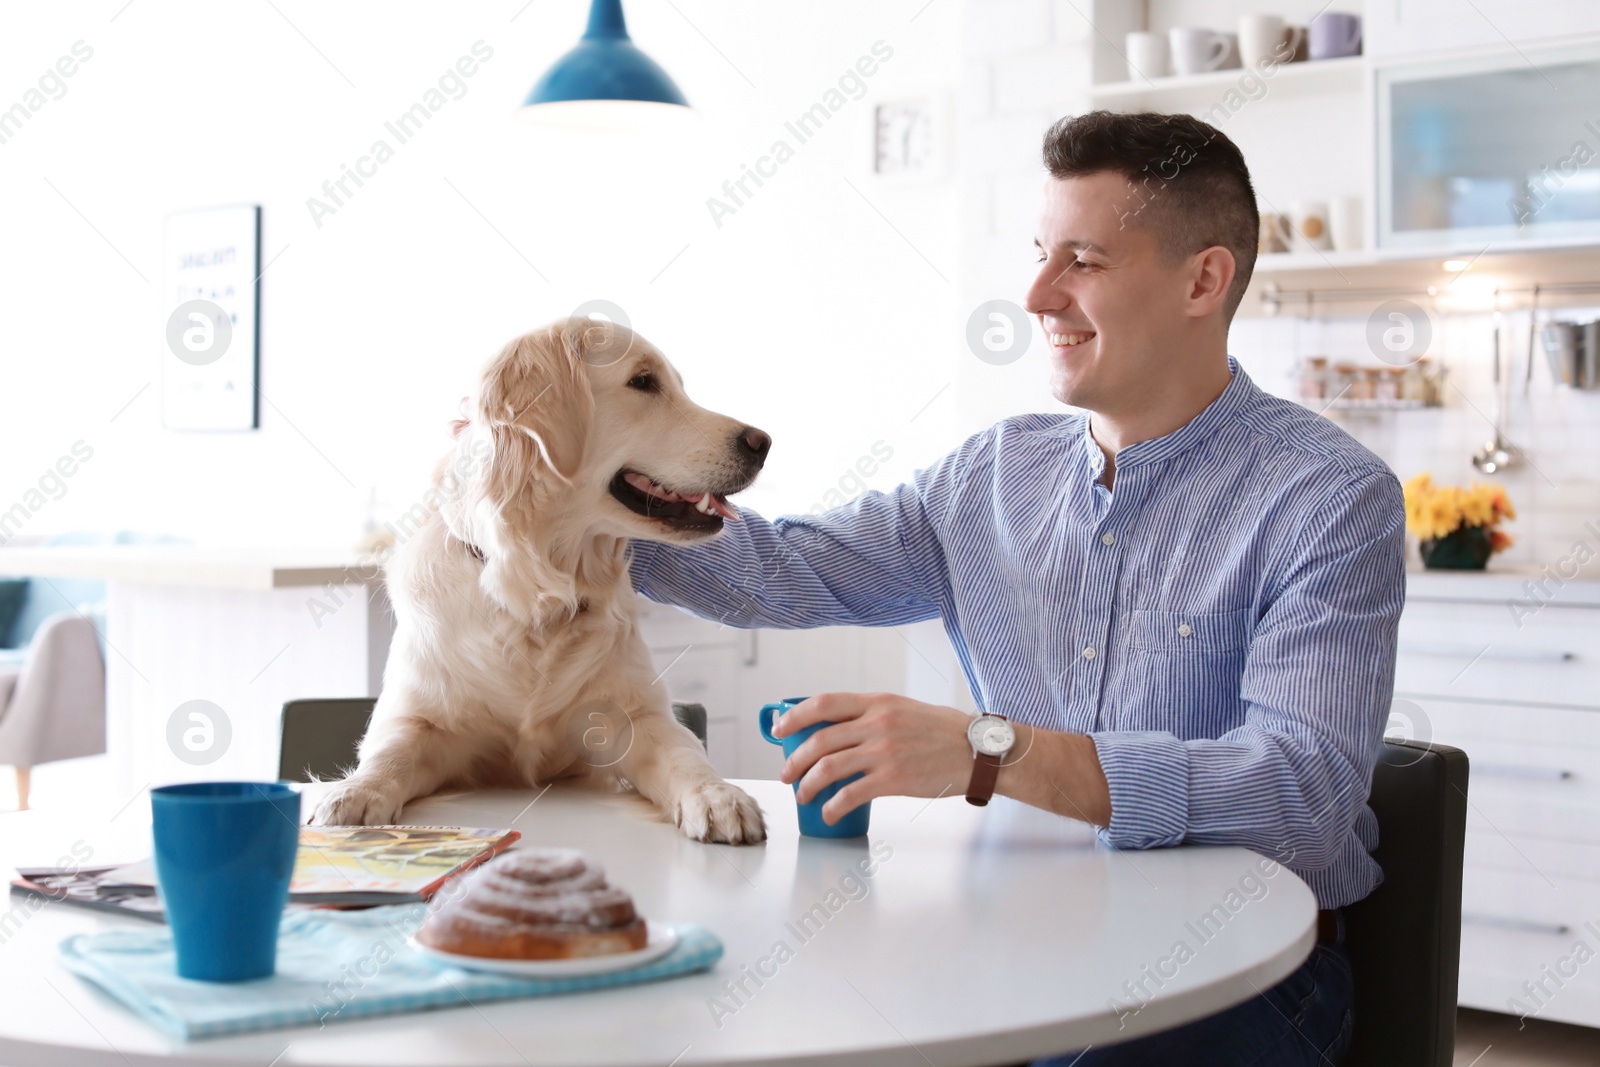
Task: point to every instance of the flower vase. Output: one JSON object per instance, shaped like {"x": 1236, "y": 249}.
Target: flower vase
{"x": 1465, "y": 549}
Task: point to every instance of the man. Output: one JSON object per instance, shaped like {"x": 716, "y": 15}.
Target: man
{"x": 1183, "y": 602}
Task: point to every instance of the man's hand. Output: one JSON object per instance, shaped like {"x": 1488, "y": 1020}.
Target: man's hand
{"x": 903, "y": 747}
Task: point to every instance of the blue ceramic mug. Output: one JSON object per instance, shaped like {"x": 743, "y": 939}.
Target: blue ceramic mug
{"x": 854, "y": 822}
{"x": 224, "y": 853}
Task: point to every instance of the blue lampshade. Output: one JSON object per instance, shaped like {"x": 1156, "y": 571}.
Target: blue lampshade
{"x": 605, "y": 65}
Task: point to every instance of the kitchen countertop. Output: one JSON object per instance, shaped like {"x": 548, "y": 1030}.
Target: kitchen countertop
{"x": 1499, "y": 584}
{"x": 190, "y": 565}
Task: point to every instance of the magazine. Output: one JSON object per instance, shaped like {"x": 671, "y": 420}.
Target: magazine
{"x": 81, "y": 886}
{"x": 338, "y": 866}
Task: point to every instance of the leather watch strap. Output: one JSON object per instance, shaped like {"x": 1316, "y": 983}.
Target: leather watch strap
{"x": 985, "y": 771}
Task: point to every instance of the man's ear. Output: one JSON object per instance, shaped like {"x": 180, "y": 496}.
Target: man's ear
{"x": 538, "y": 407}
{"x": 1211, "y": 273}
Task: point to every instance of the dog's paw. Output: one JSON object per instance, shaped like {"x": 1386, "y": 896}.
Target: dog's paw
{"x": 720, "y": 813}
{"x": 355, "y": 803}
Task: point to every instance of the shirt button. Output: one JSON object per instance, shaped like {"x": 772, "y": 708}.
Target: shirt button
{"x": 1088, "y": 653}
{"x": 1108, "y": 538}
{"x": 1184, "y": 629}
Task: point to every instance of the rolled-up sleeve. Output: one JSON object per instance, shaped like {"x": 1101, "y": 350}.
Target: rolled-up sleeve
{"x": 1317, "y": 683}
{"x": 877, "y": 561}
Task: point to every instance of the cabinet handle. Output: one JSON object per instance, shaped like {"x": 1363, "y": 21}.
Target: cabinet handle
{"x": 1518, "y": 655}
{"x": 1524, "y": 925}
{"x": 1521, "y": 770}
{"x": 753, "y": 654}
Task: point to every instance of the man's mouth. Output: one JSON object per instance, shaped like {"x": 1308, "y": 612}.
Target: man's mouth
{"x": 698, "y": 511}
{"x": 1070, "y": 340}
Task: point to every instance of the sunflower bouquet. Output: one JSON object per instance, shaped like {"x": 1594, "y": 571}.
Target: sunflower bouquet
{"x": 1457, "y": 529}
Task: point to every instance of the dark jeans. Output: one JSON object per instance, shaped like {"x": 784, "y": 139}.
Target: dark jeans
{"x": 1305, "y": 1019}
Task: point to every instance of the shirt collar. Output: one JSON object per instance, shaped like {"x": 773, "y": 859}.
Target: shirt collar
{"x": 1202, "y": 426}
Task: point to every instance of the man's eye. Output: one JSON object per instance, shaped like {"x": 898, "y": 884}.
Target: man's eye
{"x": 1081, "y": 265}
{"x": 645, "y": 383}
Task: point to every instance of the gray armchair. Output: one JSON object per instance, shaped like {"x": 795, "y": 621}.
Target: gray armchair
{"x": 52, "y": 667}
{"x": 52, "y": 660}
{"x": 53, "y": 703}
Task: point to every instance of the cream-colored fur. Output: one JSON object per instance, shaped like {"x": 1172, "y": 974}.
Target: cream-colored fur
{"x": 527, "y": 665}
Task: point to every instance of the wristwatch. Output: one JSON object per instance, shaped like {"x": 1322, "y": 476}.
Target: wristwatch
{"x": 992, "y": 737}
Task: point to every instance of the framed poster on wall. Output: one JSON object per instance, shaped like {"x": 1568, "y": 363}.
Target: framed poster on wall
{"x": 211, "y": 302}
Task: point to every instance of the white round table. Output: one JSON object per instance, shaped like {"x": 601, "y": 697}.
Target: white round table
{"x": 983, "y": 936}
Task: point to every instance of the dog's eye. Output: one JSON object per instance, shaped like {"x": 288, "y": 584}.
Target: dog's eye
{"x": 644, "y": 382}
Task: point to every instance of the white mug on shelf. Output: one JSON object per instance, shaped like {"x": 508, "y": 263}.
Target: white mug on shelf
{"x": 1268, "y": 39}
{"x": 1230, "y": 58}
{"x": 1344, "y": 223}
{"x": 1196, "y": 51}
{"x": 1147, "y": 56}
{"x": 1309, "y": 218}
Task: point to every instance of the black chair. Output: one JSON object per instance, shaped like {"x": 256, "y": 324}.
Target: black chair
{"x": 1405, "y": 939}
{"x": 319, "y": 737}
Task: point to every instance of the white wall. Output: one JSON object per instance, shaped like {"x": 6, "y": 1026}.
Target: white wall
{"x": 807, "y": 312}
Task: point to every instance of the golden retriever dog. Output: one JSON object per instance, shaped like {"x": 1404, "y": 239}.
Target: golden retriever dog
{"x": 516, "y": 656}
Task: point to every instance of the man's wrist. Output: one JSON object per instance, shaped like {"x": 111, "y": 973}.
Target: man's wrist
{"x": 1059, "y": 772}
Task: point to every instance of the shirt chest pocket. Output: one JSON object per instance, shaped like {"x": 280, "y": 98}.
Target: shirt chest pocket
{"x": 1179, "y": 672}
{"x": 1187, "y": 631}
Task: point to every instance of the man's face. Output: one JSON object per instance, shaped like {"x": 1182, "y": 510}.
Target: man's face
{"x": 1108, "y": 287}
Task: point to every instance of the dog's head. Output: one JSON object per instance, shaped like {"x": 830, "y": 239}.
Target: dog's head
{"x": 591, "y": 431}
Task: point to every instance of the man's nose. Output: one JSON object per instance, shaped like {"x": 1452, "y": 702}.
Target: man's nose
{"x": 1045, "y": 294}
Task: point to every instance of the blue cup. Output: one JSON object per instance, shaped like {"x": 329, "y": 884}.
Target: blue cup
{"x": 854, "y": 823}
{"x": 224, "y": 853}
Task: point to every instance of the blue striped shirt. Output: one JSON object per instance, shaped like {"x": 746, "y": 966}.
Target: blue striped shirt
{"x": 1222, "y": 624}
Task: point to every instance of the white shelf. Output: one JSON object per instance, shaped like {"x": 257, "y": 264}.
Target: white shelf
{"x": 1429, "y": 259}
{"x": 1333, "y": 273}
{"x": 1324, "y": 75}
{"x": 1294, "y": 262}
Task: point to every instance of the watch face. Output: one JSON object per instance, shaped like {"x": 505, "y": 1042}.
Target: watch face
{"x": 991, "y": 735}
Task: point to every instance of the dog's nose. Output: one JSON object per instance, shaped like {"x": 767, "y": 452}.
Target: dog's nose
{"x": 753, "y": 445}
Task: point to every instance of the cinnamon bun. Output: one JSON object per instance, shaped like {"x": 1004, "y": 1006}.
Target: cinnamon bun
{"x": 536, "y": 904}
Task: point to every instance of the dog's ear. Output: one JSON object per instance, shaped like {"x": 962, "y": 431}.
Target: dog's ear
{"x": 538, "y": 408}
{"x": 457, "y": 426}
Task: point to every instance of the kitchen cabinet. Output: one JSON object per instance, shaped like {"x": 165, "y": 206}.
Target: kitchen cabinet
{"x": 1417, "y": 26}
{"x": 1494, "y": 148}
{"x": 733, "y": 672}
{"x": 1516, "y": 685}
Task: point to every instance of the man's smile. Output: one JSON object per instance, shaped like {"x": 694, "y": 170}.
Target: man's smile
{"x": 1070, "y": 340}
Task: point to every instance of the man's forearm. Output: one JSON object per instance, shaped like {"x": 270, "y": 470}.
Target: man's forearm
{"x": 1059, "y": 772}
{"x": 844, "y": 568}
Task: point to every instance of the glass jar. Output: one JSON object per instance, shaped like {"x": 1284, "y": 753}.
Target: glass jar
{"x": 1432, "y": 379}
{"x": 1314, "y": 379}
{"x": 1413, "y": 384}
{"x": 1353, "y": 385}
{"x": 1343, "y": 384}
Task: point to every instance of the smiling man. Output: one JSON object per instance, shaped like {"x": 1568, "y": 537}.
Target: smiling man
{"x": 1177, "y": 609}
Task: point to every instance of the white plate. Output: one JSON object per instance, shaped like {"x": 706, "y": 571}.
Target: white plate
{"x": 662, "y": 938}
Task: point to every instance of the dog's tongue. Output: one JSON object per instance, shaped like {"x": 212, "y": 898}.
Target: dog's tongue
{"x": 723, "y": 508}
{"x": 713, "y": 502}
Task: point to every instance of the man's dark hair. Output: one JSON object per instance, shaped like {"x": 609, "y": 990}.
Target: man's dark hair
{"x": 1188, "y": 182}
